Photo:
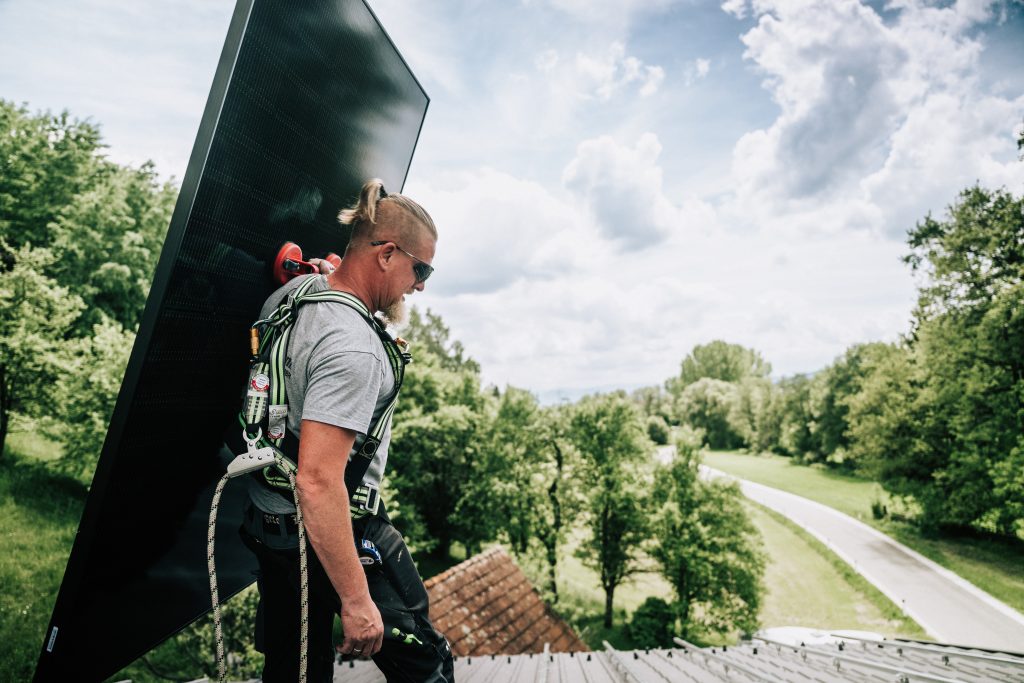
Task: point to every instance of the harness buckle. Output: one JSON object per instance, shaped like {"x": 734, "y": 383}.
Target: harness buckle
{"x": 366, "y": 498}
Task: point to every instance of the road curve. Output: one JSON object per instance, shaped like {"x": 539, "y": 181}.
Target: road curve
{"x": 949, "y": 608}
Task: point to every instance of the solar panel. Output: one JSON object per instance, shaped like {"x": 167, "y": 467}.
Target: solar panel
{"x": 309, "y": 100}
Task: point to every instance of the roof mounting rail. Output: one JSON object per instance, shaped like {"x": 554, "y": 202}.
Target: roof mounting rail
{"x": 723, "y": 661}
{"x": 903, "y": 672}
{"x": 920, "y": 647}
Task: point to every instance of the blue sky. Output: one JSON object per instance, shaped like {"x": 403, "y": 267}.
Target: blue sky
{"x": 617, "y": 181}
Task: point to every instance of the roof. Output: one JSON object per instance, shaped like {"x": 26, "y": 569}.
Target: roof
{"x": 487, "y": 606}
{"x": 845, "y": 659}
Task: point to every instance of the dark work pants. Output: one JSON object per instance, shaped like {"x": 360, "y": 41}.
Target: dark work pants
{"x": 396, "y": 589}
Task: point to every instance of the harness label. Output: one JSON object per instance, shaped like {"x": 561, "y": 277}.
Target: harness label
{"x": 260, "y": 382}
{"x": 277, "y": 420}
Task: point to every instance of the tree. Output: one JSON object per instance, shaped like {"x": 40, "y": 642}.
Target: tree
{"x": 108, "y": 239}
{"x": 708, "y": 405}
{"x": 706, "y": 547}
{"x": 432, "y": 337}
{"x": 88, "y": 389}
{"x": 608, "y": 432}
{"x": 966, "y": 341}
{"x": 528, "y": 487}
{"x": 35, "y": 315}
{"x": 722, "y": 361}
{"x": 796, "y": 430}
{"x": 840, "y": 381}
{"x": 440, "y": 438}
{"x": 45, "y": 161}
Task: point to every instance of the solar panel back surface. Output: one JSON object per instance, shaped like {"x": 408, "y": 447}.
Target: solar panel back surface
{"x": 309, "y": 100}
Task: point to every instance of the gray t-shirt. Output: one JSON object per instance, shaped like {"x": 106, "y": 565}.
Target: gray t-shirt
{"x": 336, "y": 372}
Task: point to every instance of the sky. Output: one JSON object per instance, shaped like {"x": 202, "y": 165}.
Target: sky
{"x": 617, "y": 181}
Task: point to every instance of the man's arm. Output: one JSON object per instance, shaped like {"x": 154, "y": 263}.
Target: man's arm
{"x": 323, "y": 456}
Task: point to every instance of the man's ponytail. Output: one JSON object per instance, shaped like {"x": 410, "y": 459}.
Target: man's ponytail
{"x": 366, "y": 209}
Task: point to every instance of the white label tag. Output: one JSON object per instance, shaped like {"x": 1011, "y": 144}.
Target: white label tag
{"x": 276, "y": 421}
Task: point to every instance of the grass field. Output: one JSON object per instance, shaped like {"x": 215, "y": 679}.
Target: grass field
{"x": 994, "y": 566}
{"x": 39, "y": 514}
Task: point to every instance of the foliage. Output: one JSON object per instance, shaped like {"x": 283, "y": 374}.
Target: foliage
{"x": 109, "y": 238}
{"x": 79, "y": 240}
{"x": 658, "y": 430}
{"x": 653, "y": 624}
{"x": 722, "y": 361}
{"x": 706, "y": 548}
{"x": 45, "y": 161}
{"x": 608, "y": 432}
{"x": 708, "y": 405}
{"x": 35, "y": 314}
{"x": 88, "y": 390}
{"x": 439, "y": 438}
{"x": 654, "y": 402}
{"x": 529, "y": 485}
{"x": 967, "y": 392}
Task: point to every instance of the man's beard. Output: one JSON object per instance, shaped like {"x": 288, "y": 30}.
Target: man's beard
{"x": 395, "y": 313}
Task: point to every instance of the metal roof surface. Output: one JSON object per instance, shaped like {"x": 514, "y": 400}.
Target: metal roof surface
{"x": 758, "y": 660}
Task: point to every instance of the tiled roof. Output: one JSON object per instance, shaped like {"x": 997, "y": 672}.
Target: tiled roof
{"x": 844, "y": 659}
{"x": 487, "y": 606}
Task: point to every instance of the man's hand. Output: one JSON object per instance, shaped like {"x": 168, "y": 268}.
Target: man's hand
{"x": 363, "y": 627}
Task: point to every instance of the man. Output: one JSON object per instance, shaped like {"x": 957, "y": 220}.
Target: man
{"x": 339, "y": 382}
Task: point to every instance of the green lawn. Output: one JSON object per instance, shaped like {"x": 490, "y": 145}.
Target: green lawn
{"x": 994, "y": 566}
{"x": 39, "y": 514}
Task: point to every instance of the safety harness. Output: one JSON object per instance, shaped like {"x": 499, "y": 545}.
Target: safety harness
{"x": 272, "y": 454}
{"x": 266, "y": 406}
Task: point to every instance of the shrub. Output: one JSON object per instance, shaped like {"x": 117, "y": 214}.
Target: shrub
{"x": 653, "y": 624}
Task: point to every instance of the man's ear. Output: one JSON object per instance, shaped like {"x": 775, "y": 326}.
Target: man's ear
{"x": 386, "y": 255}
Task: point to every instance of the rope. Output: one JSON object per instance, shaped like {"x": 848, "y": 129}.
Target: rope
{"x": 303, "y": 574}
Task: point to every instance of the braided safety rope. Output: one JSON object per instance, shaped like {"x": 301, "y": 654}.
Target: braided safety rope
{"x": 242, "y": 464}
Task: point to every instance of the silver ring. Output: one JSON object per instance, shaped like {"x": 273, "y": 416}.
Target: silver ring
{"x": 356, "y": 650}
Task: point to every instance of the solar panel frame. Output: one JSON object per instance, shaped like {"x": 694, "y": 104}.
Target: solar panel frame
{"x": 170, "y": 485}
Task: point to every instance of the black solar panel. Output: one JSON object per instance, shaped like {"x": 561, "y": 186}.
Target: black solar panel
{"x": 310, "y": 99}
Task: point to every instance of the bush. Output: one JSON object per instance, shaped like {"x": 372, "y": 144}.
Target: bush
{"x": 657, "y": 429}
{"x": 653, "y": 624}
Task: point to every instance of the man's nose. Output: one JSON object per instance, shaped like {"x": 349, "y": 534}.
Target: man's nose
{"x": 419, "y": 286}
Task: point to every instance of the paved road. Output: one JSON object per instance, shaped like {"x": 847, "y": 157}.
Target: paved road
{"x": 949, "y": 608}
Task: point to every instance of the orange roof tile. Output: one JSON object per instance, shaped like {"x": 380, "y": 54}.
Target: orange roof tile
{"x": 487, "y": 606}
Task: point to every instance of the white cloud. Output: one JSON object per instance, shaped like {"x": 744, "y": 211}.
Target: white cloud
{"x": 602, "y": 75}
{"x": 621, "y": 187}
{"x": 696, "y": 70}
{"x": 883, "y": 120}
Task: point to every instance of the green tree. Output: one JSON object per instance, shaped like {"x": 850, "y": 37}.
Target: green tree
{"x": 88, "y": 389}
{"x": 709, "y": 405}
{"x": 840, "y": 381}
{"x": 796, "y": 430}
{"x": 45, "y": 161}
{"x": 440, "y": 442}
{"x": 967, "y": 340}
{"x": 35, "y": 315}
{"x": 722, "y": 361}
{"x": 608, "y": 432}
{"x": 706, "y": 547}
{"x": 528, "y": 487}
{"x": 108, "y": 238}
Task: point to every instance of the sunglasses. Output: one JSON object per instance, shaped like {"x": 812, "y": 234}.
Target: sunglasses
{"x": 420, "y": 268}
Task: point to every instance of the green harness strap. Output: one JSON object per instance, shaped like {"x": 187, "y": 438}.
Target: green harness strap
{"x": 275, "y": 333}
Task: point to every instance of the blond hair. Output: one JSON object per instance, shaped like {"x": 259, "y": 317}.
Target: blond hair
{"x": 397, "y": 212}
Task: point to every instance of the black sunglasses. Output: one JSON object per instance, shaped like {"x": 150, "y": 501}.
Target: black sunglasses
{"x": 420, "y": 268}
